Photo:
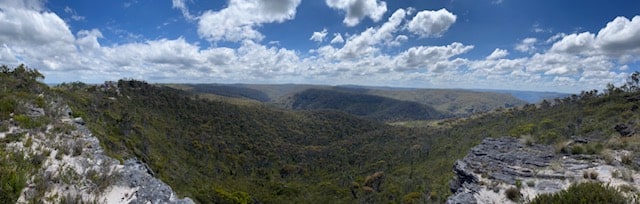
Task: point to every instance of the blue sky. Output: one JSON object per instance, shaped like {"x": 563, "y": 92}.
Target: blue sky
{"x": 543, "y": 45}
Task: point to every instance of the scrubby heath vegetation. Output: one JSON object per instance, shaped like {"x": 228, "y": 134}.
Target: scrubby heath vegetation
{"x": 382, "y": 101}
{"x": 220, "y": 152}
{"x": 587, "y": 192}
{"x": 18, "y": 87}
{"x": 216, "y": 151}
{"x": 20, "y": 93}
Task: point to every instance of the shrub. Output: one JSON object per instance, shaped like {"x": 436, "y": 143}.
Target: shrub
{"x": 12, "y": 177}
{"x": 626, "y": 159}
{"x": 77, "y": 148}
{"x": 513, "y": 194}
{"x": 412, "y": 197}
{"x": 587, "y": 192}
{"x": 578, "y": 149}
{"x": 518, "y": 184}
{"x": 28, "y": 143}
{"x": 590, "y": 175}
{"x": 531, "y": 183}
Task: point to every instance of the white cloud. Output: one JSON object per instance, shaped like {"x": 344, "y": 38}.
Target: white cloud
{"x": 575, "y": 43}
{"x": 398, "y": 40}
{"x": 617, "y": 39}
{"x": 527, "y": 45}
{"x": 88, "y": 40}
{"x": 130, "y": 3}
{"x": 23, "y": 28}
{"x": 497, "y": 54}
{"x": 73, "y": 13}
{"x": 432, "y": 58}
{"x": 182, "y": 6}
{"x": 319, "y": 36}
{"x": 539, "y": 29}
{"x": 367, "y": 42}
{"x": 356, "y": 10}
{"x": 431, "y": 23}
{"x": 42, "y": 40}
{"x": 555, "y": 37}
{"x": 239, "y": 20}
{"x": 35, "y": 5}
{"x": 337, "y": 39}
{"x": 620, "y": 35}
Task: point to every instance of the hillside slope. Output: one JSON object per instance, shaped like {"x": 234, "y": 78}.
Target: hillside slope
{"x": 48, "y": 157}
{"x": 450, "y": 102}
{"x": 369, "y": 106}
{"x": 220, "y": 152}
{"x": 454, "y": 102}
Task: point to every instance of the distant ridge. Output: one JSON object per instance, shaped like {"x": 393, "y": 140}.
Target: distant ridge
{"x": 529, "y": 96}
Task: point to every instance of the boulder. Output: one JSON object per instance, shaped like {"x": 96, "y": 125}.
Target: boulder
{"x": 79, "y": 121}
{"x": 624, "y": 130}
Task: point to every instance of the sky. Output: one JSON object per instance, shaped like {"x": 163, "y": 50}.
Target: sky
{"x": 542, "y": 45}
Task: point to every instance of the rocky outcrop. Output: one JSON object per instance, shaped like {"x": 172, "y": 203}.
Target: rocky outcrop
{"x": 498, "y": 164}
{"x": 624, "y": 130}
{"x": 75, "y": 168}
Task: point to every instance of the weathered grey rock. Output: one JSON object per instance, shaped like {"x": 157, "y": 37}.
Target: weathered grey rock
{"x": 624, "y": 130}
{"x": 79, "y": 121}
{"x": 35, "y": 111}
{"x": 504, "y": 160}
{"x": 464, "y": 196}
{"x": 150, "y": 189}
{"x": 498, "y": 164}
{"x": 96, "y": 177}
{"x": 497, "y": 157}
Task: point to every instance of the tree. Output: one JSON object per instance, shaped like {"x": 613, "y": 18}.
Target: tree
{"x": 634, "y": 81}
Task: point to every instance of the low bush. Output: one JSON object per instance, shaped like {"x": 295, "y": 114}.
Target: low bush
{"x": 513, "y": 194}
{"x": 587, "y": 192}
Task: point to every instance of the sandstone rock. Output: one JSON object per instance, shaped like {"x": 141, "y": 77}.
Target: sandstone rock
{"x": 624, "y": 130}
{"x": 79, "y": 121}
{"x": 497, "y": 164}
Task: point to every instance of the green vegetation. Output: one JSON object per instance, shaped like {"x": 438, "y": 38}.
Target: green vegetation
{"x": 19, "y": 87}
{"x": 217, "y": 151}
{"x": 513, "y": 194}
{"x": 13, "y": 175}
{"x": 587, "y": 192}
{"x": 453, "y": 102}
{"x": 370, "y": 106}
{"x": 214, "y": 151}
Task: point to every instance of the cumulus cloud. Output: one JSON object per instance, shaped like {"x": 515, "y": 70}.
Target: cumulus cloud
{"x": 573, "y": 62}
{"x": 398, "y": 40}
{"x": 617, "y": 39}
{"x": 239, "y": 20}
{"x": 527, "y": 45}
{"x": 87, "y": 40}
{"x": 431, "y": 23}
{"x": 319, "y": 36}
{"x": 575, "y": 43}
{"x": 337, "y": 39}
{"x": 36, "y": 5}
{"x": 497, "y": 54}
{"x": 620, "y": 35}
{"x": 367, "y": 42}
{"x": 432, "y": 58}
{"x": 356, "y": 10}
